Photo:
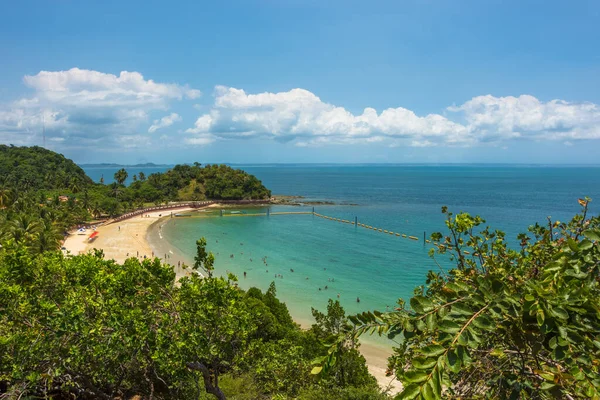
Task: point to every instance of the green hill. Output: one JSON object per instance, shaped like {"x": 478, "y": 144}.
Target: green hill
{"x": 35, "y": 168}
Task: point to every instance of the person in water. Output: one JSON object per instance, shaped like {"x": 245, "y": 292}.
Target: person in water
{"x": 244, "y": 274}
{"x": 358, "y": 300}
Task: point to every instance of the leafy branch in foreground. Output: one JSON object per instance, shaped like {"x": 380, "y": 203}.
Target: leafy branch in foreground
{"x": 504, "y": 323}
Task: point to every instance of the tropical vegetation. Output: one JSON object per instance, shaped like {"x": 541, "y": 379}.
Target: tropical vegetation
{"x": 505, "y": 323}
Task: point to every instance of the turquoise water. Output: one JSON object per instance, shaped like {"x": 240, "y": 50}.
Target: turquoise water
{"x": 355, "y": 262}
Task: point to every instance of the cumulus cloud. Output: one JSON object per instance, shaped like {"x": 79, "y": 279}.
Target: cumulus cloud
{"x": 82, "y": 107}
{"x": 164, "y": 122}
{"x": 299, "y": 115}
{"x": 85, "y": 107}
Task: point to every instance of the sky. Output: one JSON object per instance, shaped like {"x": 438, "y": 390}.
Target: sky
{"x": 294, "y": 81}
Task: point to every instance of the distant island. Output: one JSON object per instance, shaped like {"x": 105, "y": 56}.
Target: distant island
{"x": 111, "y": 165}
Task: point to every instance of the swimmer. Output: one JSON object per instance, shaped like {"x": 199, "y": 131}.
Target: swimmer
{"x": 358, "y": 300}
{"x": 244, "y": 274}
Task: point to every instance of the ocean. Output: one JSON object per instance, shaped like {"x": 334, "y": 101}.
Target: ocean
{"x": 311, "y": 259}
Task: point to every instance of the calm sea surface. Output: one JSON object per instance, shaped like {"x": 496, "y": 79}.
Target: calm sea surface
{"x": 340, "y": 259}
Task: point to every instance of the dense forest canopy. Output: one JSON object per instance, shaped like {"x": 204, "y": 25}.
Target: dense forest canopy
{"x": 35, "y": 168}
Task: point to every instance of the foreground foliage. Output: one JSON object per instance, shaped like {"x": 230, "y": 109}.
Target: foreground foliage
{"x": 92, "y": 328}
{"x": 504, "y": 323}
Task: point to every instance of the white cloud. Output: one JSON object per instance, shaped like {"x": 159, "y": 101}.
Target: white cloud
{"x": 84, "y": 107}
{"x": 200, "y": 140}
{"x": 164, "y": 122}
{"x": 299, "y": 115}
{"x": 494, "y": 118}
{"x": 89, "y": 107}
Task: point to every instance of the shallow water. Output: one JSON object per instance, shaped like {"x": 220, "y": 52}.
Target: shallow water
{"x": 355, "y": 262}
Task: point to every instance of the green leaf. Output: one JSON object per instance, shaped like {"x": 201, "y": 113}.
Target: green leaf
{"x": 421, "y": 304}
{"x": 462, "y": 309}
{"x": 497, "y": 353}
{"x": 453, "y": 362}
{"x": 431, "y": 321}
{"x": 592, "y": 234}
{"x": 560, "y": 313}
{"x": 549, "y": 376}
{"x": 449, "y": 326}
{"x": 410, "y": 392}
{"x": 529, "y": 297}
{"x": 484, "y": 322}
{"x": 572, "y": 244}
{"x": 423, "y": 363}
{"x": 428, "y": 393}
{"x": 433, "y": 350}
{"x": 547, "y": 385}
{"x": 539, "y": 315}
{"x": 414, "y": 376}
{"x": 316, "y": 370}
{"x": 585, "y": 245}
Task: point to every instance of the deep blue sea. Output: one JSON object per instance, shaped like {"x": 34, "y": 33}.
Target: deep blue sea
{"x": 330, "y": 258}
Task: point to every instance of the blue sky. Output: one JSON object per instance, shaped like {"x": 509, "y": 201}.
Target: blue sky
{"x": 303, "y": 81}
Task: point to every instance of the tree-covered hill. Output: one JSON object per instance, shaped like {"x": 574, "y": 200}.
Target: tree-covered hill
{"x": 196, "y": 182}
{"x": 35, "y": 168}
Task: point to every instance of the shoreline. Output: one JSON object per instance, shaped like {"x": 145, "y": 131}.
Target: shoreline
{"x": 142, "y": 236}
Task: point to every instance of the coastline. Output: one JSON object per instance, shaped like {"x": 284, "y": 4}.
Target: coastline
{"x": 142, "y": 236}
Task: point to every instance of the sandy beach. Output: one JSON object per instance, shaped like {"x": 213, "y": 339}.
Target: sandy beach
{"x": 122, "y": 240}
{"x": 137, "y": 237}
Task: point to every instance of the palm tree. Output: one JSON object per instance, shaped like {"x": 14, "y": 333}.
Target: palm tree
{"x": 23, "y": 228}
{"x": 4, "y": 198}
{"x": 96, "y": 211}
{"x": 121, "y": 176}
{"x": 115, "y": 189}
{"x": 74, "y": 185}
{"x": 102, "y": 179}
{"x": 48, "y": 238}
{"x": 142, "y": 176}
{"x": 134, "y": 177}
{"x": 85, "y": 200}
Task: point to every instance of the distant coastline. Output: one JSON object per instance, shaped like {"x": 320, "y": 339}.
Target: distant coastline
{"x": 111, "y": 165}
